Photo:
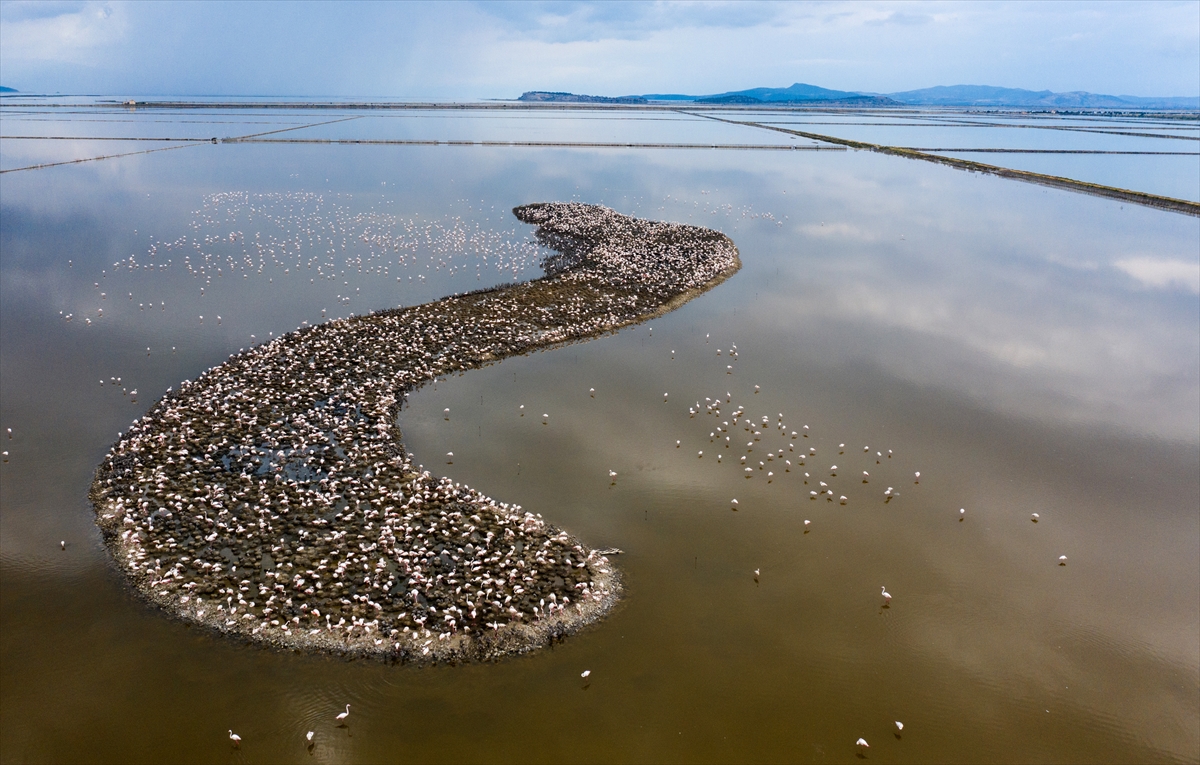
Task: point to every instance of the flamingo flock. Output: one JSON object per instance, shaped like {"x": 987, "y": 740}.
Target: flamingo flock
{"x": 272, "y": 498}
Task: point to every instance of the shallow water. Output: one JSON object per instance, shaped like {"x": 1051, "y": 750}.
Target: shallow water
{"x": 1172, "y": 176}
{"x": 1156, "y": 155}
{"x": 1025, "y": 349}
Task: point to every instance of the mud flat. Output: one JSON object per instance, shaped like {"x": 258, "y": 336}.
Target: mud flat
{"x": 273, "y": 500}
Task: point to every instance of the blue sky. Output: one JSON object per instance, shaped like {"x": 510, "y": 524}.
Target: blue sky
{"x": 497, "y": 50}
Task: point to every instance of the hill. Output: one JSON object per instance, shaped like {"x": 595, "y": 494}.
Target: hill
{"x": 573, "y": 98}
{"x": 941, "y": 95}
{"x": 988, "y": 95}
{"x": 796, "y": 93}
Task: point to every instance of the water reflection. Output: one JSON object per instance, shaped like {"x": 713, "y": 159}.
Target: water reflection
{"x": 1026, "y": 350}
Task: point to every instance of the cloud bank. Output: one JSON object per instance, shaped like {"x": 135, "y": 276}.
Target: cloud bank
{"x": 498, "y": 50}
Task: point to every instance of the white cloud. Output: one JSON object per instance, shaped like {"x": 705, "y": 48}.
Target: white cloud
{"x": 500, "y": 49}
{"x": 70, "y": 33}
{"x": 906, "y": 19}
{"x": 837, "y": 230}
{"x": 24, "y": 10}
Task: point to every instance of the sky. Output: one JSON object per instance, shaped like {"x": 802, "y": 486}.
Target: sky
{"x": 470, "y": 50}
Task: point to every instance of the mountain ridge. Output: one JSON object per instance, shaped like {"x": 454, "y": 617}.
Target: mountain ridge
{"x": 990, "y": 95}
{"x": 939, "y": 95}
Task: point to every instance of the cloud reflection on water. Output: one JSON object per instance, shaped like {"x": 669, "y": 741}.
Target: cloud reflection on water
{"x": 1163, "y": 273}
{"x": 986, "y": 330}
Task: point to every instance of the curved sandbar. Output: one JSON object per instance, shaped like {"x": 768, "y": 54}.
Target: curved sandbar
{"x": 272, "y": 498}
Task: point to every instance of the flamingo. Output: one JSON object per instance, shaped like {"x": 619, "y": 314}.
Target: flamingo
{"x": 341, "y": 718}
{"x": 235, "y": 738}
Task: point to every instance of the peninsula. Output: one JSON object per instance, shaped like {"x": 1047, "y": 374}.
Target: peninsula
{"x": 272, "y": 498}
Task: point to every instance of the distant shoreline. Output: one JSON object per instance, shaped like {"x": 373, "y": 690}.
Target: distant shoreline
{"x": 656, "y": 106}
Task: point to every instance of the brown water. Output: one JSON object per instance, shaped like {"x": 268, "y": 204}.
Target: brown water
{"x": 1026, "y": 350}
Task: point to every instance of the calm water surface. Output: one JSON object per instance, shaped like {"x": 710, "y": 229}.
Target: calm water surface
{"x": 1162, "y": 156}
{"x": 1027, "y": 350}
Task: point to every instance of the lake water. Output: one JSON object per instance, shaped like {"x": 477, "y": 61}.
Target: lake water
{"x": 1027, "y": 350}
